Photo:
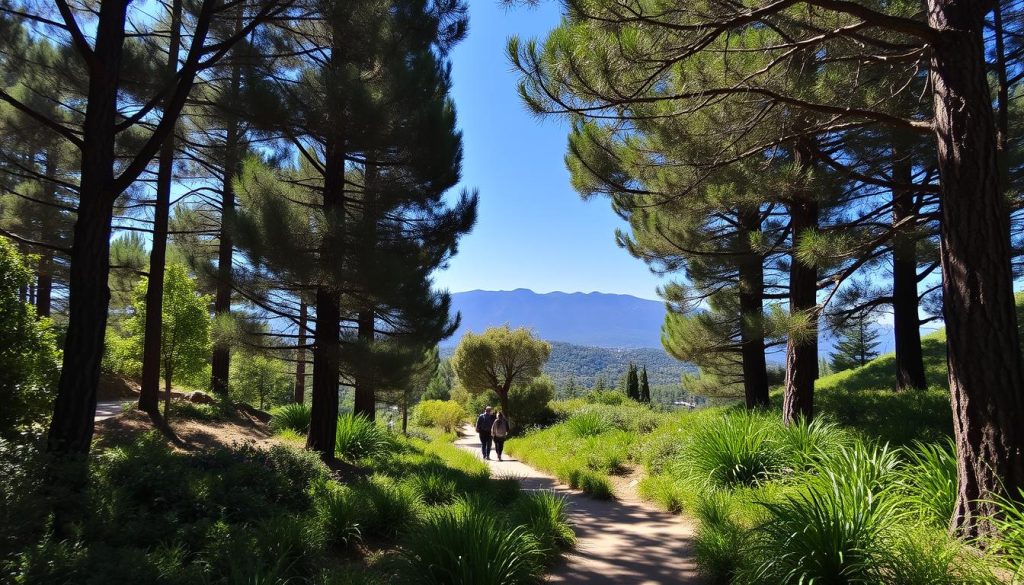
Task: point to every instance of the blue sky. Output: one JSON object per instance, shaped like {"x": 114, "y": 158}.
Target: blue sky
{"x": 533, "y": 231}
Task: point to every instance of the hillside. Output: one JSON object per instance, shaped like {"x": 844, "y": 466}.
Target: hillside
{"x": 586, "y": 319}
{"x": 587, "y": 364}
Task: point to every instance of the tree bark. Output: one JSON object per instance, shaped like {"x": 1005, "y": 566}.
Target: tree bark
{"x": 71, "y": 427}
{"x": 300, "y": 359}
{"x": 220, "y": 364}
{"x": 801, "y": 350}
{"x": 365, "y": 395}
{"x": 906, "y": 321}
{"x": 751, "y": 293}
{"x": 149, "y": 395}
{"x": 326, "y": 337}
{"x": 986, "y": 377}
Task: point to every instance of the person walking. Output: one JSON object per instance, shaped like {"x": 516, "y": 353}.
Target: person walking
{"x": 499, "y": 432}
{"x": 483, "y": 428}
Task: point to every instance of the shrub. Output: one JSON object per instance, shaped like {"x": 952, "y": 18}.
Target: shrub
{"x": 359, "y": 437}
{"x": 446, "y": 415}
{"x": 588, "y": 424}
{"x": 528, "y": 403}
{"x": 736, "y": 449}
{"x": 293, "y": 417}
{"x": 470, "y": 548}
{"x": 590, "y": 483}
{"x": 611, "y": 397}
{"x": 543, "y": 513}
{"x": 931, "y": 480}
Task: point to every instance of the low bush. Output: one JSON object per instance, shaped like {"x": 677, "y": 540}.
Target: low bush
{"x": 446, "y": 415}
{"x": 294, "y": 417}
{"x": 470, "y": 548}
{"x": 358, "y": 437}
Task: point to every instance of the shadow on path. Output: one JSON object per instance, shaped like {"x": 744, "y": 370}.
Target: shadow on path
{"x": 619, "y": 542}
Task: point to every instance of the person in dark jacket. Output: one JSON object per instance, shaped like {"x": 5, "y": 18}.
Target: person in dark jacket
{"x": 483, "y": 428}
{"x": 499, "y": 432}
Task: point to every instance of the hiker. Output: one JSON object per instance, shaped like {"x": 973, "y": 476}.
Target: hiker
{"x": 483, "y": 428}
{"x": 499, "y": 432}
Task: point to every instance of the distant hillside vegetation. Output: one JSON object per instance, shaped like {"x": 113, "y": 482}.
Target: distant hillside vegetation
{"x": 587, "y": 319}
{"x": 586, "y": 364}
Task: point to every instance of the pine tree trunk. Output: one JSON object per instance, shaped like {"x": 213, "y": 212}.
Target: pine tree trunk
{"x": 986, "y": 378}
{"x": 906, "y": 322}
{"x": 74, "y": 409}
{"x": 326, "y": 337}
{"x": 44, "y": 284}
{"x": 220, "y": 363}
{"x": 751, "y": 293}
{"x": 323, "y": 416}
{"x": 300, "y": 360}
{"x": 801, "y": 350}
{"x": 150, "y": 388}
{"x": 365, "y": 395}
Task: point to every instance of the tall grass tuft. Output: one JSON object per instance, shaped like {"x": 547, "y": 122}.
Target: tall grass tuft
{"x": 392, "y": 507}
{"x": 470, "y": 548}
{"x": 544, "y": 515}
{"x": 588, "y": 424}
{"x": 1009, "y": 547}
{"x": 358, "y": 437}
{"x": 338, "y": 512}
{"x": 293, "y": 417}
{"x": 805, "y": 442}
{"x": 434, "y": 488}
{"x": 931, "y": 480}
{"x": 838, "y": 529}
{"x": 737, "y": 449}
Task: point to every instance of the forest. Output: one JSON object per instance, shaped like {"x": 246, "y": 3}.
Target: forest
{"x": 240, "y": 207}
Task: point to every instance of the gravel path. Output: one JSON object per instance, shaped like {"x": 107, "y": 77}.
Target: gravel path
{"x": 623, "y": 542}
{"x": 108, "y": 408}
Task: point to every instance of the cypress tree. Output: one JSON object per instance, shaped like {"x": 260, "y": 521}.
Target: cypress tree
{"x": 645, "y": 387}
{"x": 632, "y": 383}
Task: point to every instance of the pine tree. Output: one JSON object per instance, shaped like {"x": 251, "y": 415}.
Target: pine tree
{"x": 857, "y": 345}
{"x": 645, "y": 387}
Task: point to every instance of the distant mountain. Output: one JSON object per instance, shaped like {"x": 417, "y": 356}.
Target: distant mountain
{"x": 587, "y": 319}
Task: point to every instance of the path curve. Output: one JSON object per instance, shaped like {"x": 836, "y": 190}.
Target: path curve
{"x": 621, "y": 542}
{"x": 108, "y": 408}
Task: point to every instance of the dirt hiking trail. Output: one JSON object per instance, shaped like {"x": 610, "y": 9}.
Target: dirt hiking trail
{"x": 622, "y": 542}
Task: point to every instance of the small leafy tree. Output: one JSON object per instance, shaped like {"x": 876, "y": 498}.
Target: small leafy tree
{"x": 499, "y": 359}
{"x": 259, "y": 380}
{"x": 28, "y": 353}
{"x": 185, "y": 343}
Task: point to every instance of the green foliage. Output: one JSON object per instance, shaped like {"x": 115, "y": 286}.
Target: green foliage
{"x": 470, "y": 548}
{"x": 1009, "y": 547}
{"x": 339, "y": 513}
{"x": 588, "y": 424}
{"x": 392, "y": 507}
{"x": 594, "y": 484}
{"x": 838, "y": 529}
{"x": 543, "y": 513}
{"x": 931, "y": 480}
{"x": 805, "y": 443}
{"x": 358, "y": 437}
{"x": 857, "y": 345}
{"x": 185, "y": 342}
{"x": 529, "y": 402}
{"x": 28, "y": 352}
{"x": 290, "y": 416}
{"x": 737, "y": 449}
{"x": 259, "y": 380}
{"x": 633, "y": 383}
{"x": 435, "y": 488}
{"x": 499, "y": 359}
{"x": 446, "y": 415}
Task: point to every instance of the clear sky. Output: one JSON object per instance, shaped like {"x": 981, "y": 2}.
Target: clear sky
{"x": 533, "y": 230}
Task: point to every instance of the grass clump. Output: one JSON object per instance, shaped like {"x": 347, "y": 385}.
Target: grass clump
{"x": 338, "y": 511}
{"x": 293, "y": 417}
{"x": 737, "y": 449}
{"x": 470, "y": 547}
{"x": 931, "y": 480}
{"x": 588, "y": 424}
{"x": 358, "y": 437}
{"x": 544, "y": 515}
{"x": 391, "y": 507}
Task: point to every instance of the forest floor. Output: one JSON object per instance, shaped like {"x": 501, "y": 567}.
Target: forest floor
{"x": 192, "y": 434}
{"x": 623, "y": 541}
